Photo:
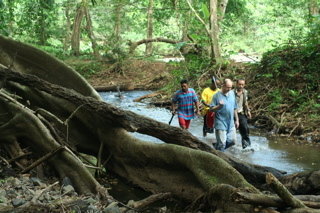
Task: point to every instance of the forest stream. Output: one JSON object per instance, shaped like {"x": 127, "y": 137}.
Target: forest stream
{"x": 269, "y": 150}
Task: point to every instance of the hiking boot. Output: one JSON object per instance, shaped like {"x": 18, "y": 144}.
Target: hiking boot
{"x": 229, "y": 144}
{"x": 204, "y": 131}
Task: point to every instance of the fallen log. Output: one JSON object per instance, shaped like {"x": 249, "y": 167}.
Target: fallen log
{"x": 147, "y": 96}
{"x": 115, "y": 88}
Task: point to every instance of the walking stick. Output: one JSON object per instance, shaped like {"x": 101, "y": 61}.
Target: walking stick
{"x": 171, "y": 119}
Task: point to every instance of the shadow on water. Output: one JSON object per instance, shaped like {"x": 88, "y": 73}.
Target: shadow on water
{"x": 277, "y": 152}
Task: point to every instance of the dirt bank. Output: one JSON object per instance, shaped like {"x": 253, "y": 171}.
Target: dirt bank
{"x": 133, "y": 74}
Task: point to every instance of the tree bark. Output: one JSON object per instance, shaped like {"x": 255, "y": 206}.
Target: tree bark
{"x": 271, "y": 200}
{"x": 75, "y": 37}
{"x": 117, "y": 23}
{"x": 214, "y": 31}
{"x": 222, "y": 9}
{"x": 283, "y": 192}
{"x": 67, "y": 39}
{"x": 313, "y": 8}
{"x": 149, "y": 27}
{"x": 90, "y": 32}
{"x": 303, "y": 183}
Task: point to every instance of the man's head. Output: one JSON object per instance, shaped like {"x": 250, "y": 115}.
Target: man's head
{"x": 226, "y": 85}
{"x": 215, "y": 83}
{"x": 240, "y": 84}
{"x": 184, "y": 85}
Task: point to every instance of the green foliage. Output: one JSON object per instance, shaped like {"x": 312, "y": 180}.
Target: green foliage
{"x": 191, "y": 69}
{"x": 276, "y": 97}
{"x": 87, "y": 68}
{"x": 295, "y": 69}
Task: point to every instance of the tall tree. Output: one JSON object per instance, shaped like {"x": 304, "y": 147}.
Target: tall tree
{"x": 214, "y": 30}
{"x": 67, "y": 38}
{"x": 90, "y": 33}
{"x": 117, "y": 22}
{"x": 149, "y": 27}
{"x": 313, "y": 8}
{"x": 76, "y": 32}
{"x": 82, "y": 11}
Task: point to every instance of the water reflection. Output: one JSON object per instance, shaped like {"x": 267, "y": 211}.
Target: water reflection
{"x": 278, "y": 152}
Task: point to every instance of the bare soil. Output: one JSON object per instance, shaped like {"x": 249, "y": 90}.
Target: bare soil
{"x": 134, "y": 74}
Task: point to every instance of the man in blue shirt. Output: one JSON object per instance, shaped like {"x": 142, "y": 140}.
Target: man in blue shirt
{"x": 186, "y": 98}
{"x": 224, "y": 105}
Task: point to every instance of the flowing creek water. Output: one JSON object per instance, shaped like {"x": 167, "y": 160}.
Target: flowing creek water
{"x": 277, "y": 152}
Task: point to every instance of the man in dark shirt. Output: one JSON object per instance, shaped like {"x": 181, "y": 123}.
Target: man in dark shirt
{"x": 243, "y": 112}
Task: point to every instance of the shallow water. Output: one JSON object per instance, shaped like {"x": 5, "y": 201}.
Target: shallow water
{"x": 280, "y": 153}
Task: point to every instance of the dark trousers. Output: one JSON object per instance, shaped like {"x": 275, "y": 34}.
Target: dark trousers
{"x": 244, "y": 130}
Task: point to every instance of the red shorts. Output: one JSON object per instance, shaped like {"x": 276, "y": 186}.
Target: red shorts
{"x": 184, "y": 123}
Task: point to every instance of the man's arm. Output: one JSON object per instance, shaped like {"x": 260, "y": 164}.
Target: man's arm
{"x": 204, "y": 98}
{"x": 197, "y": 107}
{"x": 217, "y": 107}
{"x": 246, "y": 105}
{"x": 236, "y": 118}
{"x": 173, "y": 108}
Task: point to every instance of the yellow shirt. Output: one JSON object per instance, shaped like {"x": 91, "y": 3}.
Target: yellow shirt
{"x": 206, "y": 96}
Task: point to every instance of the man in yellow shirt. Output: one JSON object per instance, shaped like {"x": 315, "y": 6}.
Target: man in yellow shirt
{"x": 206, "y": 99}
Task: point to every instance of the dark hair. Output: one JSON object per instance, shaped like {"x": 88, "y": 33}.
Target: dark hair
{"x": 184, "y": 81}
{"x": 240, "y": 79}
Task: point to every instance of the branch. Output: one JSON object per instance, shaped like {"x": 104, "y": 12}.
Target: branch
{"x": 134, "y": 45}
{"x": 283, "y": 192}
{"x": 199, "y": 18}
{"x": 42, "y": 159}
{"x": 270, "y": 200}
{"x": 149, "y": 200}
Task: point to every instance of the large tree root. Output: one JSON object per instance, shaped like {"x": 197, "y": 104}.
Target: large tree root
{"x": 135, "y": 123}
{"x": 27, "y": 126}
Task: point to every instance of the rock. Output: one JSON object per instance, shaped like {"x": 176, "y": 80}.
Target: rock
{"x": 11, "y": 193}
{"x": 5, "y": 208}
{"x": 36, "y": 181}
{"x": 68, "y": 190}
{"x": 3, "y": 198}
{"x": 17, "y": 202}
{"x": 66, "y": 181}
{"x": 112, "y": 208}
{"x": 90, "y": 200}
{"x": 92, "y": 208}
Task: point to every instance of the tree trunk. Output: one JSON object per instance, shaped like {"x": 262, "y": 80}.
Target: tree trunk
{"x": 149, "y": 27}
{"x": 117, "y": 23}
{"x": 222, "y": 9}
{"x": 75, "y": 37}
{"x": 41, "y": 27}
{"x": 313, "y": 8}
{"x": 90, "y": 32}
{"x": 214, "y": 31}
{"x": 67, "y": 39}
{"x": 303, "y": 183}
